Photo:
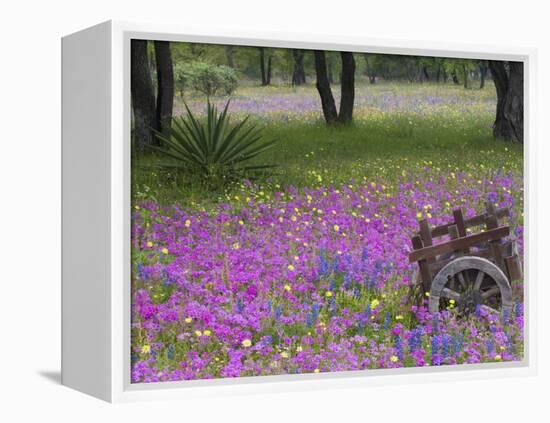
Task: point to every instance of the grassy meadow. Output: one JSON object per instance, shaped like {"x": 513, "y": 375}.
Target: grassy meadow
{"x": 304, "y": 269}
{"x": 397, "y": 127}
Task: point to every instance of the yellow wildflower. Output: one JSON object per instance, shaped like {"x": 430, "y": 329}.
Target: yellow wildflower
{"x": 290, "y": 267}
{"x": 149, "y": 244}
{"x": 146, "y": 349}
{"x": 246, "y": 343}
{"x": 198, "y": 333}
{"x": 165, "y": 251}
{"x": 207, "y": 332}
{"x": 187, "y": 223}
{"x": 287, "y": 288}
{"x": 188, "y": 320}
{"x": 394, "y": 359}
{"x": 328, "y": 294}
{"x": 336, "y": 228}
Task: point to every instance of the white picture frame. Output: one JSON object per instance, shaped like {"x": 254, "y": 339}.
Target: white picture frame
{"x": 96, "y": 213}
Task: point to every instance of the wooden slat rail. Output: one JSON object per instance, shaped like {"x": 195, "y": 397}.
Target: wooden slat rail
{"x": 423, "y": 264}
{"x": 458, "y": 244}
{"x": 473, "y": 221}
{"x": 426, "y": 235}
{"x": 440, "y": 264}
{"x": 495, "y": 244}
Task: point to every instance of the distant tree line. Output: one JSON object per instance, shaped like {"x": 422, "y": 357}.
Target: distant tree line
{"x": 159, "y": 67}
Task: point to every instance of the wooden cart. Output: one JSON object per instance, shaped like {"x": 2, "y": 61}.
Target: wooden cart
{"x": 467, "y": 271}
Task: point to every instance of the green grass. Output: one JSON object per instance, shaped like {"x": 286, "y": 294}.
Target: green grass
{"x": 377, "y": 145}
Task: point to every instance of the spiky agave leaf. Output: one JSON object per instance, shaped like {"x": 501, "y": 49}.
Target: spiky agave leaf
{"x": 211, "y": 145}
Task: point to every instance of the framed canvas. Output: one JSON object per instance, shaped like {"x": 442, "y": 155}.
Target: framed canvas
{"x": 271, "y": 212}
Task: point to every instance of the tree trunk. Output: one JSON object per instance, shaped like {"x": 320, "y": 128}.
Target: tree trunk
{"x": 425, "y": 73}
{"x": 369, "y": 70}
{"x": 455, "y": 77}
{"x": 347, "y": 88}
{"x": 502, "y": 128}
{"x": 298, "y": 74}
{"x": 323, "y": 86}
{"x": 482, "y": 74}
{"x": 410, "y": 72}
{"x": 165, "y": 81}
{"x": 465, "y": 73}
{"x": 262, "y": 66}
{"x": 143, "y": 97}
{"x": 513, "y": 105}
{"x": 268, "y": 79}
{"x": 229, "y": 56}
{"x": 438, "y": 73}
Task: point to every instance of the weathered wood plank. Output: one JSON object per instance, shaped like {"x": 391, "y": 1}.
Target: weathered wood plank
{"x": 423, "y": 265}
{"x": 458, "y": 244}
{"x": 495, "y": 244}
{"x": 513, "y": 266}
{"x": 490, "y": 207}
{"x": 484, "y": 253}
{"x": 442, "y": 230}
{"x": 440, "y": 264}
{"x": 459, "y": 221}
{"x": 453, "y": 232}
{"x": 426, "y": 235}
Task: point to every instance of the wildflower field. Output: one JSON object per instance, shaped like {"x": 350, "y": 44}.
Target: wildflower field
{"x": 305, "y": 269}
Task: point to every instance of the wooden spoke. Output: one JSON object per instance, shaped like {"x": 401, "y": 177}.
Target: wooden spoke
{"x": 489, "y": 309}
{"x": 462, "y": 280}
{"x": 450, "y": 294}
{"x": 452, "y": 283}
{"x": 490, "y": 292}
{"x": 479, "y": 279}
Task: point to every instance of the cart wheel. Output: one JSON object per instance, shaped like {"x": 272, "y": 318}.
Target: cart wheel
{"x": 471, "y": 282}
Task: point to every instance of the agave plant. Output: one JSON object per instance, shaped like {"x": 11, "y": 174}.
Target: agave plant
{"x": 212, "y": 146}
